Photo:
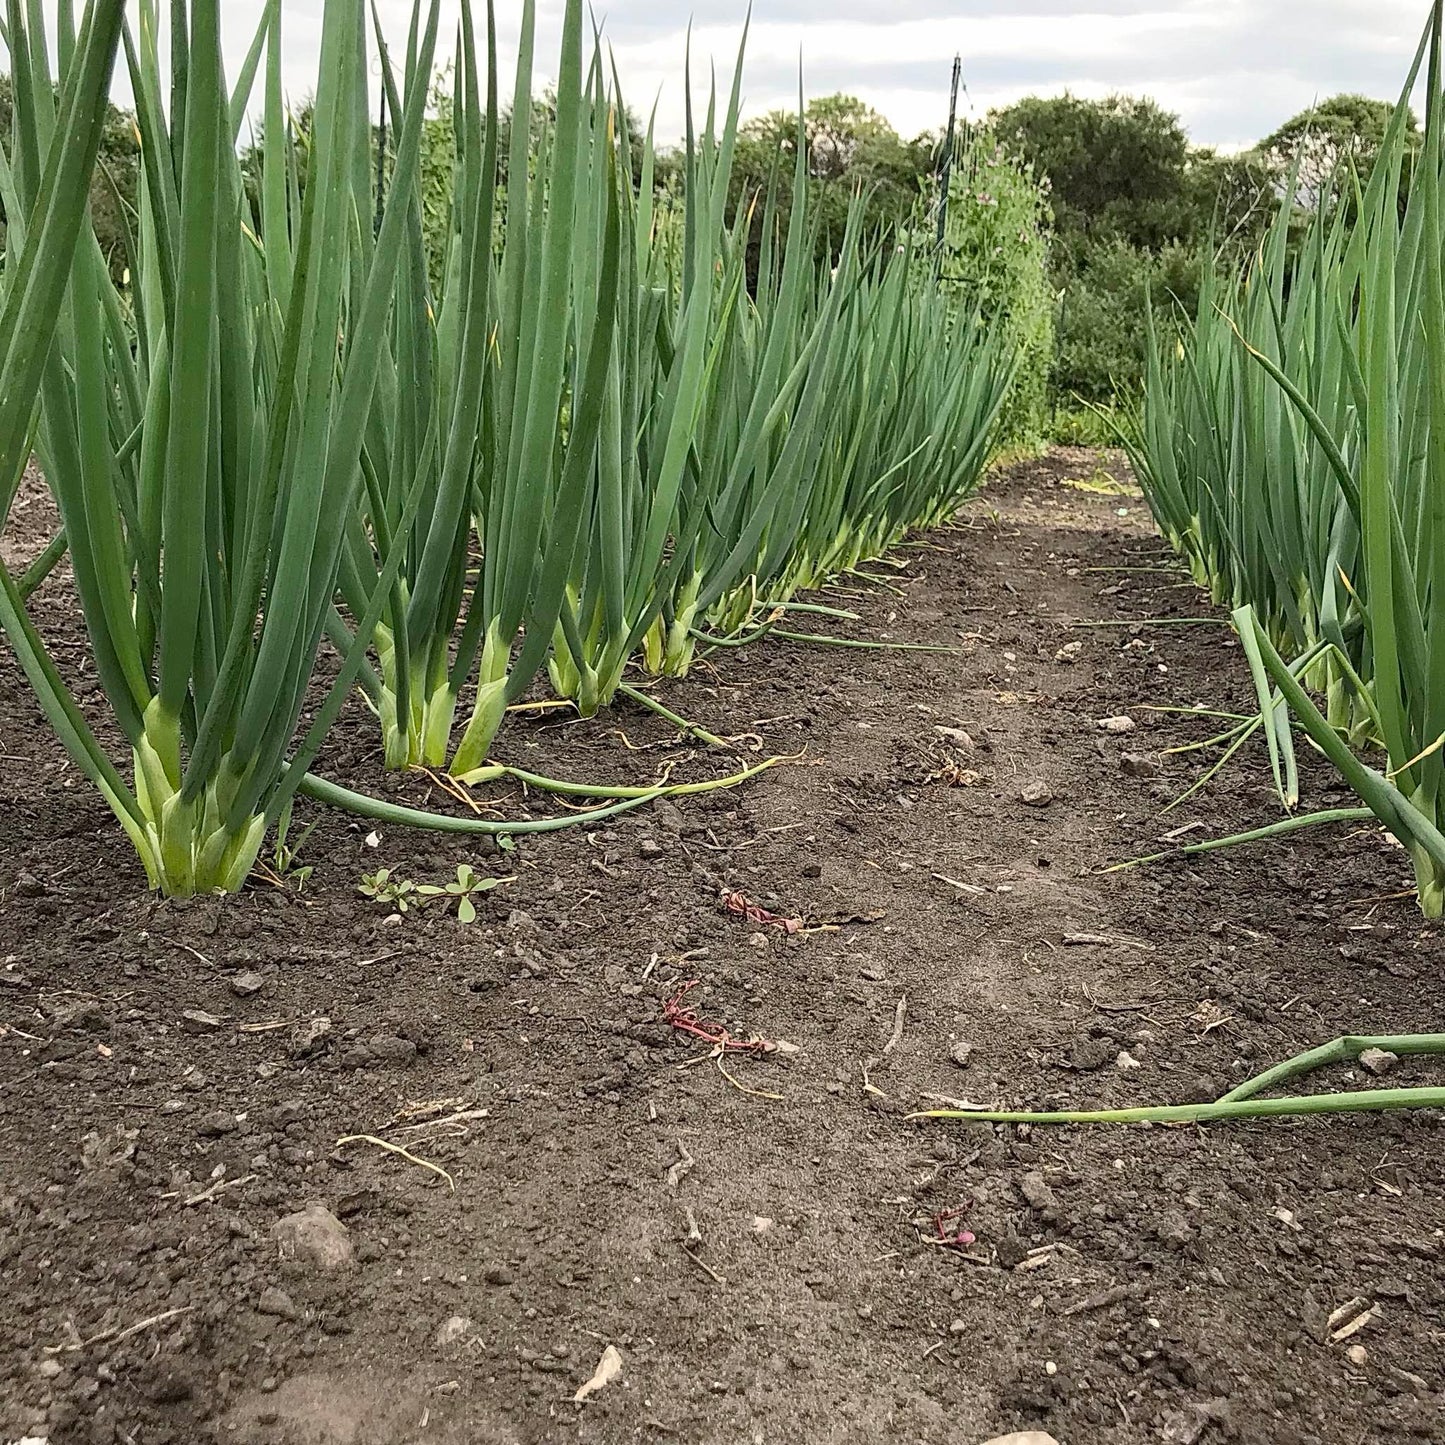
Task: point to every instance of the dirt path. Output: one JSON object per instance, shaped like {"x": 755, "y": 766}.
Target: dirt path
{"x": 1164, "y": 1285}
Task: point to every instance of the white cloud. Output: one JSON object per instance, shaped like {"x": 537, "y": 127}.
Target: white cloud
{"x": 1233, "y": 69}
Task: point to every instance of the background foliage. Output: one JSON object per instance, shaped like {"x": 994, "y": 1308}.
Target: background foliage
{"x": 996, "y": 254}
{"x": 1072, "y": 215}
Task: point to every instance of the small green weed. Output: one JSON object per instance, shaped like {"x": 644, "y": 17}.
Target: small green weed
{"x": 402, "y": 894}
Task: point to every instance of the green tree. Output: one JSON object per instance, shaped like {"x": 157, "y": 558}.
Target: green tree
{"x": 849, "y": 145}
{"x": 1344, "y": 129}
{"x": 115, "y": 185}
{"x": 1232, "y": 198}
{"x": 1137, "y": 209}
{"x": 1117, "y": 167}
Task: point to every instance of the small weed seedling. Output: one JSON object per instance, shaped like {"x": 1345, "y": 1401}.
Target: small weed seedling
{"x": 285, "y": 853}
{"x": 402, "y": 894}
{"x": 383, "y": 888}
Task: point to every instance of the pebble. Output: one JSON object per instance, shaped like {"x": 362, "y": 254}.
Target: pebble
{"x": 961, "y": 1053}
{"x": 1125, "y": 1061}
{"x": 309, "y": 1036}
{"x": 86, "y": 1014}
{"x": 1121, "y": 724}
{"x": 957, "y": 1327}
{"x": 315, "y": 1236}
{"x": 498, "y": 1274}
{"x": 248, "y": 983}
{"x": 217, "y": 1123}
{"x": 649, "y": 848}
{"x": 1023, "y": 1437}
{"x": 1011, "y": 1251}
{"x": 1138, "y": 765}
{"x": 451, "y": 1330}
{"x": 277, "y": 1302}
{"x": 812, "y": 870}
{"x": 166, "y": 1383}
{"x": 1378, "y": 1061}
{"x": 1036, "y": 1192}
{"x": 1357, "y": 1354}
{"x": 1036, "y": 794}
{"x": 392, "y": 1049}
{"x": 49, "y": 1369}
{"x": 198, "y": 1021}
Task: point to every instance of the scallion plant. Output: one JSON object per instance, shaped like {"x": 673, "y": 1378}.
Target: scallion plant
{"x": 202, "y": 433}
{"x": 1292, "y": 444}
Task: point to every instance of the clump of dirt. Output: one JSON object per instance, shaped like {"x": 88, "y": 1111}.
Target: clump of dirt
{"x": 507, "y": 1159}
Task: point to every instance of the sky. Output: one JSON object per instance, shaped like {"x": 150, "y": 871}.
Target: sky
{"x": 1232, "y": 69}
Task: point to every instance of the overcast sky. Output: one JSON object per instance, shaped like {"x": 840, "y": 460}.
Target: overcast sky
{"x": 1233, "y": 69}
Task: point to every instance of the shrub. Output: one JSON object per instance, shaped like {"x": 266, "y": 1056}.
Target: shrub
{"x": 1104, "y": 289}
{"x": 995, "y": 253}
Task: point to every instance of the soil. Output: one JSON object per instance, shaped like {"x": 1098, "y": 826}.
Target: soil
{"x": 168, "y": 1094}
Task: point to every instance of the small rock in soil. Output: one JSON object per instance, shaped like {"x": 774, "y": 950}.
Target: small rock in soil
{"x": 84, "y": 1014}
{"x": 1023, "y": 1437}
{"x": 1121, "y": 724}
{"x": 165, "y": 1383}
{"x": 277, "y": 1302}
{"x": 217, "y": 1123}
{"x": 812, "y": 870}
{"x": 1124, "y": 1061}
{"x": 315, "y": 1236}
{"x": 1185, "y": 1427}
{"x": 498, "y": 1274}
{"x": 1138, "y": 765}
{"x": 1011, "y": 1251}
{"x": 248, "y": 983}
{"x": 1378, "y": 1061}
{"x": 961, "y": 1053}
{"x": 1036, "y": 1192}
{"x": 198, "y": 1021}
{"x": 1173, "y": 1229}
{"x": 667, "y": 816}
{"x": 1069, "y": 652}
{"x": 451, "y": 1330}
{"x": 958, "y": 737}
{"x": 649, "y": 848}
{"x": 309, "y": 1036}
{"x": 392, "y": 1049}
{"x": 1036, "y": 794}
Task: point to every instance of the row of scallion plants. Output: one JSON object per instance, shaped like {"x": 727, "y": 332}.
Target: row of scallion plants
{"x": 1292, "y": 447}
{"x": 1291, "y": 444}
{"x": 602, "y": 426}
